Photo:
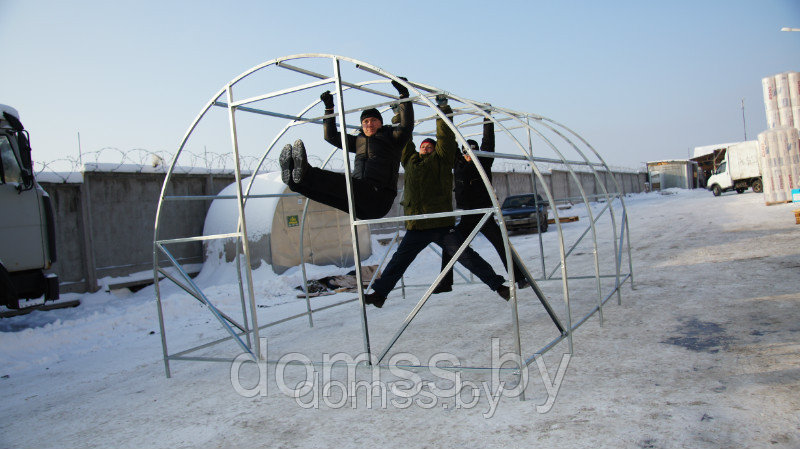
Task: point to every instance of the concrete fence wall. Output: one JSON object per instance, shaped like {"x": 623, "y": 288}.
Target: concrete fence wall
{"x": 105, "y": 224}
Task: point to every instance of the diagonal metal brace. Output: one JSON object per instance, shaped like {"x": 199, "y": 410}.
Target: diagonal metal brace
{"x": 197, "y": 296}
{"x": 536, "y": 289}
{"x": 214, "y": 311}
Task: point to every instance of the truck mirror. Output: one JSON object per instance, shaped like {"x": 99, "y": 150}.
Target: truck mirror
{"x": 27, "y": 180}
{"x": 25, "y": 150}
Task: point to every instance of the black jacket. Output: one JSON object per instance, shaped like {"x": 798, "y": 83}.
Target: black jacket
{"x": 377, "y": 157}
{"x": 469, "y": 189}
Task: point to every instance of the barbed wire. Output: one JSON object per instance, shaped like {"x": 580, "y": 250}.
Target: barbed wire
{"x": 141, "y": 160}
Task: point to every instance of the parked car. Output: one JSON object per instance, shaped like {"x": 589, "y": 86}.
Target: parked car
{"x": 525, "y": 212}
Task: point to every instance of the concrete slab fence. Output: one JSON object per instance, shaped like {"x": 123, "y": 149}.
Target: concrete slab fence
{"x": 104, "y": 224}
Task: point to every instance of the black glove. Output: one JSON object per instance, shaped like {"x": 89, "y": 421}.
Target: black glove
{"x": 441, "y": 100}
{"x": 327, "y": 99}
{"x": 400, "y": 88}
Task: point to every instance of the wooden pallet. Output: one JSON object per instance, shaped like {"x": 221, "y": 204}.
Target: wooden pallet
{"x": 563, "y": 219}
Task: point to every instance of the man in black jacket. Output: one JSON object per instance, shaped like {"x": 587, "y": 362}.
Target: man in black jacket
{"x": 374, "y": 176}
{"x": 471, "y": 193}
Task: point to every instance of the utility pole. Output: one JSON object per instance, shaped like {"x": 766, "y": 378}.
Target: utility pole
{"x": 744, "y": 125}
{"x": 80, "y": 153}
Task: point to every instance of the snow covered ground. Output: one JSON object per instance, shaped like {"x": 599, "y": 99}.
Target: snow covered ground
{"x": 704, "y": 352}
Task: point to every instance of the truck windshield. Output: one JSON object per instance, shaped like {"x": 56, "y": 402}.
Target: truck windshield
{"x": 10, "y": 167}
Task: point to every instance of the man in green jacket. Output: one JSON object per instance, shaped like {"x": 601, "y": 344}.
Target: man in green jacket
{"x": 428, "y": 188}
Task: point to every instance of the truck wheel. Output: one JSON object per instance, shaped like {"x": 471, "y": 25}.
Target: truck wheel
{"x": 716, "y": 190}
{"x": 758, "y": 186}
{"x": 740, "y": 190}
{"x": 8, "y": 294}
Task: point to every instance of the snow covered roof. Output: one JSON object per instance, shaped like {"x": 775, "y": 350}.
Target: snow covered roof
{"x": 56, "y": 177}
{"x": 76, "y": 177}
{"x": 10, "y": 110}
{"x": 671, "y": 161}
{"x": 158, "y": 166}
{"x": 708, "y": 149}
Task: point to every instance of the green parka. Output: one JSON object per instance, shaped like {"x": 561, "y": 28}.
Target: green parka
{"x": 428, "y": 184}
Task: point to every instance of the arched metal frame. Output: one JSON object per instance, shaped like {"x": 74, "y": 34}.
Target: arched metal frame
{"x": 421, "y": 95}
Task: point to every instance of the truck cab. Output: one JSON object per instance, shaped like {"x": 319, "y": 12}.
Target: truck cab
{"x": 27, "y": 228}
{"x": 720, "y": 181}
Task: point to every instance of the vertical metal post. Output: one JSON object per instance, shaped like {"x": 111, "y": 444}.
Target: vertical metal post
{"x": 303, "y": 261}
{"x": 160, "y": 306}
{"x": 245, "y": 321}
{"x": 402, "y": 278}
{"x": 241, "y": 296}
{"x": 242, "y": 221}
{"x": 350, "y": 203}
{"x": 628, "y": 240}
{"x": 536, "y": 196}
{"x": 621, "y": 237}
{"x": 88, "y": 234}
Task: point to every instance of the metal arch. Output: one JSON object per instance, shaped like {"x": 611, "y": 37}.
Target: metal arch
{"x": 568, "y": 309}
{"x": 617, "y": 254}
{"x": 591, "y": 165}
{"x": 619, "y": 191}
{"x": 503, "y": 229}
{"x": 591, "y": 222}
{"x": 592, "y": 219}
{"x": 602, "y": 163}
{"x": 418, "y": 98}
{"x": 158, "y": 221}
{"x": 609, "y": 202}
{"x": 232, "y": 106}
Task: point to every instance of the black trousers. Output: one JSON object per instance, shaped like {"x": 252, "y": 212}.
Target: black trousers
{"x": 492, "y": 233}
{"x": 449, "y": 239}
{"x": 369, "y": 200}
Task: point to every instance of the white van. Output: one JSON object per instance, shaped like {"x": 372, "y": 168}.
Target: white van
{"x": 739, "y": 170}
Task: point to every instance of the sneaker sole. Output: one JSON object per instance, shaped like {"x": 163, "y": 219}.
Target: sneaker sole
{"x": 299, "y": 159}
{"x": 285, "y": 161}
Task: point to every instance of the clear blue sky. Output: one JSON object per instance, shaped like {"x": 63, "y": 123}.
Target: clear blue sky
{"x": 639, "y": 80}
